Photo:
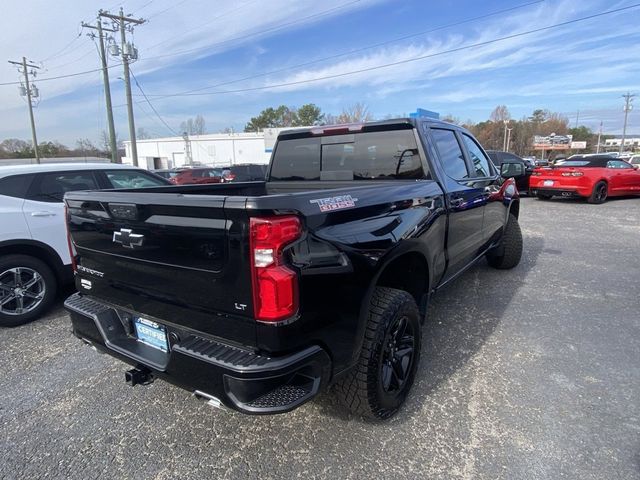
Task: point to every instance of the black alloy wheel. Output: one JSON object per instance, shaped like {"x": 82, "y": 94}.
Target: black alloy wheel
{"x": 397, "y": 359}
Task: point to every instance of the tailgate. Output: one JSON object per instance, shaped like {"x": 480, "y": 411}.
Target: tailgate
{"x": 175, "y": 258}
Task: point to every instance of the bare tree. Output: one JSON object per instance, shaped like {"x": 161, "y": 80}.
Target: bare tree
{"x": 194, "y": 126}
{"x": 500, "y": 114}
{"x": 358, "y": 112}
{"x": 142, "y": 134}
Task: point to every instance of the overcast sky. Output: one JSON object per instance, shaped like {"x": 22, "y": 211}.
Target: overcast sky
{"x": 240, "y": 56}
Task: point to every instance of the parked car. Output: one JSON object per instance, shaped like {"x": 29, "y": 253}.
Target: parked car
{"x": 257, "y": 296}
{"x": 594, "y": 178}
{"x": 635, "y": 160}
{"x": 167, "y": 173}
{"x": 34, "y": 254}
{"x": 499, "y": 157}
{"x": 193, "y": 176}
{"x": 244, "y": 173}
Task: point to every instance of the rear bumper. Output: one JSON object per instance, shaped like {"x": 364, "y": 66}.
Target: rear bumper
{"x": 239, "y": 378}
{"x": 556, "y": 192}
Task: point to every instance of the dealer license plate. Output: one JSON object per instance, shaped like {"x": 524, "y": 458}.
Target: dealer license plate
{"x": 150, "y": 333}
{"x": 548, "y": 183}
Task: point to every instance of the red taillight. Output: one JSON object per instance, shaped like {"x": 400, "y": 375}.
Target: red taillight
{"x": 275, "y": 286}
{"x": 72, "y": 249}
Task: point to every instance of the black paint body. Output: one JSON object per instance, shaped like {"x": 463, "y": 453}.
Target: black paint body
{"x": 192, "y": 274}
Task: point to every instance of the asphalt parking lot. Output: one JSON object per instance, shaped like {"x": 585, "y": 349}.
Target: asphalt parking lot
{"x": 530, "y": 373}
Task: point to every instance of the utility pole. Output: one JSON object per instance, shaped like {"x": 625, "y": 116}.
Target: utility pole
{"x": 577, "y": 117}
{"x": 628, "y": 98}
{"x": 107, "y": 88}
{"x": 187, "y": 148}
{"x": 30, "y": 91}
{"x": 508, "y": 139}
{"x": 128, "y": 52}
{"x": 504, "y": 139}
{"x": 599, "y": 135}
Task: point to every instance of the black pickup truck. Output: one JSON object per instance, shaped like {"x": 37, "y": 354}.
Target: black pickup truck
{"x": 257, "y": 295}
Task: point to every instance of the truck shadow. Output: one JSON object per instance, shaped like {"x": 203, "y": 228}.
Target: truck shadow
{"x": 460, "y": 319}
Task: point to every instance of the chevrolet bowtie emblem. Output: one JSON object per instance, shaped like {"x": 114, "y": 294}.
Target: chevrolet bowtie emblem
{"x": 127, "y": 238}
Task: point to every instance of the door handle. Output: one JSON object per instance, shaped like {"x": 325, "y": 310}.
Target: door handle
{"x": 43, "y": 213}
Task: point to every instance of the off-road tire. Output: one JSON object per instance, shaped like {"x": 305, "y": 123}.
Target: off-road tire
{"x": 361, "y": 389}
{"x": 13, "y": 261}
{"x": 508, "y": 254}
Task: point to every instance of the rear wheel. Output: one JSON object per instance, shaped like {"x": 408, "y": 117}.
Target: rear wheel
{"x": 599, "y": 194}
{"x": 508, "y": 253}
{"x": 378, "y": 385}
{"x": 27, "y": 289}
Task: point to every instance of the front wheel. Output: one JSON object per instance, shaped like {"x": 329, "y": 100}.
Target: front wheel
{"x": 599, "y": 194}
{"x": 27, "y": 289}
{"x": 378, "y": 385}
{"x": 509, "y": 252}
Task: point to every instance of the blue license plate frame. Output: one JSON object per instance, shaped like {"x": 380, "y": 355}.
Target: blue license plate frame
{"x": 151, "y": 333}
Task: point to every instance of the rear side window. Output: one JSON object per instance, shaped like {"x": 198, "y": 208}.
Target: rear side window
{"x": 132, "y": 179}
{"x": 15, "y": 185}
{"x": 51, "y": 187}
{"x": 451, "y": 154}
{"x": 361, "y": 156}
{"x": 476, "y": 155}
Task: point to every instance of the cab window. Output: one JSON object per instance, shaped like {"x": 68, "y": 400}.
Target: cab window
{"x": 450, "y": 153}
{"x": 478, "y": 158}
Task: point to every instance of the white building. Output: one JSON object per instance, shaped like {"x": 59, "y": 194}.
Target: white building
{"x": 631, "y": 142}
{"x": 220, "y": 150}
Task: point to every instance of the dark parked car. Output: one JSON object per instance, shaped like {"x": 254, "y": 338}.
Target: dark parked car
{"x": 244, "y": 173}
{"x": 499, "y": 157}
{"x": 258, "y": 295}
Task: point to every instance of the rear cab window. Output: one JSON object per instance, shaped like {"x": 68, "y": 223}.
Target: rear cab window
{"x": 379, "y": 155}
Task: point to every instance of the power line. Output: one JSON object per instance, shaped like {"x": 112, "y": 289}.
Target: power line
{"x": 351, "y": 52}
{"x": 59, "y": 52}
{"x": 412, "y": 59}
{"x": 191, "y": 30}
{"x": 135, "y": 79}
{"x": 154, "y": 15}
{"x": 85, "y": 72}
{"x": 243, "y": 37}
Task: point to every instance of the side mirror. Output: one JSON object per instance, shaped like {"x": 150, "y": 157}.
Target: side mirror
{"x": 512, "y": 170}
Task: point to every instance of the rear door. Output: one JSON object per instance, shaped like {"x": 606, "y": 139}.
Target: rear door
{"x": 13, "y": 190}
{"x": 466, "y": 199}
{"x": 44, "y": 209}
{"x": 487, "y": 179}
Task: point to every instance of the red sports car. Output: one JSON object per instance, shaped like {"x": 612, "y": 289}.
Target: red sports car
{"x": 592, "y": 177}
{"x": 189, "y": 176}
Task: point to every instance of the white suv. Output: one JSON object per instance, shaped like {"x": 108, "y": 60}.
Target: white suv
{"x": 34, "y": 254}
